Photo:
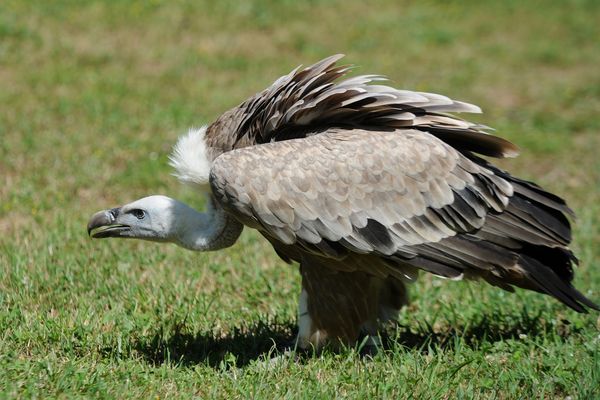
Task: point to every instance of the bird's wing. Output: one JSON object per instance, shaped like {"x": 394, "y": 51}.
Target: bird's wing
{"x": 408, "y": 198}
{"x": 311, "y": 100}
{"x": 344, "y": 190}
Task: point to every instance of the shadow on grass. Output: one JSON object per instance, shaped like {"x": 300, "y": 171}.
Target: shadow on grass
{"x": 487, "y": 329}
{"x": 266, "y": 339}
{"x": 237, "y": 348}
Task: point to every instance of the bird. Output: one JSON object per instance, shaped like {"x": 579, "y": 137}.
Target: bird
{"x": 364, "y": 186}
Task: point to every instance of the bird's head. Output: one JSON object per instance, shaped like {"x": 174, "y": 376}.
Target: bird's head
{"x": 155, "y": 218}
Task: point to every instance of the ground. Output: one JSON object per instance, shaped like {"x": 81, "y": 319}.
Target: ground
{"x": 93, "y": 95}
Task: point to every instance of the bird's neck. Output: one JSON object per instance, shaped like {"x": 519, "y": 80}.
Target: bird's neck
{"x": 211, "y": 230}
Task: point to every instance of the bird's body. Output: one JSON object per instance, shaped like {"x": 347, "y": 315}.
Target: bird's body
{"x": 363, "y": 185}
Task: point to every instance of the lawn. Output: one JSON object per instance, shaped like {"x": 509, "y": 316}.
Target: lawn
{"x": 94, "y": 94}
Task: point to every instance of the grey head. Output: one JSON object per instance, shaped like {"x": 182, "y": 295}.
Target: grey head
{"x": 156, "y": 218}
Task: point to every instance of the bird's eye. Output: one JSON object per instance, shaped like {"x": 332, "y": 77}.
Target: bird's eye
{"x": 139, "y": 214}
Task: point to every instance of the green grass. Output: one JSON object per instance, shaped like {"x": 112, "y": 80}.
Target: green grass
{"x": 92, "y": 96}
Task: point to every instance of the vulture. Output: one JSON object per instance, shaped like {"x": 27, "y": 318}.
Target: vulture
{"x": 364, "y": 186}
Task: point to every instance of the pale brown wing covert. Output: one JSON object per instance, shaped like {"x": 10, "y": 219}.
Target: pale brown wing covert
{"x": 371, "y": 192}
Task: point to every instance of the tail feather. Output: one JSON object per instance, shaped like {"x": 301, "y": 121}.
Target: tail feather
{"x": 551, "y": 283}
{"x": 539, "y": 222}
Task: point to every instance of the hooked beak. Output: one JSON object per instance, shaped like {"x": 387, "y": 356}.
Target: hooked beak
{"x": 102, "y": 224}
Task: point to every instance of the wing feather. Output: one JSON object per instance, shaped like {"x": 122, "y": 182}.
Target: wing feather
{"x": 308, "y": 100}
{"x": 406, "y": 197}
{"x": 377, "y": 192}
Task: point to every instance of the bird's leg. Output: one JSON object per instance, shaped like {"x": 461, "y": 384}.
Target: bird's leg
{"x": 308, "y": 335}
{"x": 334, "y": 305}
{"x": 330, "y": 311}
{"x": 391, "y": 295}
{"x": 337, "y": 308}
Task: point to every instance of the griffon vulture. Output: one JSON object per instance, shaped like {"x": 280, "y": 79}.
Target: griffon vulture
{"x": 364, "y": 186}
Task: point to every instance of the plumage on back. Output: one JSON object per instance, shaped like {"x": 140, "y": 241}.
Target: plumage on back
{"x": 314, "y": 99}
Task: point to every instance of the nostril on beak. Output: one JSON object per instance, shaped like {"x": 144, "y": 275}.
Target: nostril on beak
{"x": 114, "y": 212}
